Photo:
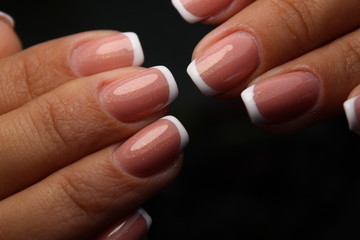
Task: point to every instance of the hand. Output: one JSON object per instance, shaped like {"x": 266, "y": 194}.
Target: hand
{"x": 80, "y": 129}
{"x": 297, "y": 59}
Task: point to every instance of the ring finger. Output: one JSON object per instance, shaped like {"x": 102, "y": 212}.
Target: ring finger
{"x": 308, "y": 89}
{"x": 78, "y": 118}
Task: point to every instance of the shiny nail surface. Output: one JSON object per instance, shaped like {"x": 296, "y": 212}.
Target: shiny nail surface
{"x": 196, "y": 10}
{"x": 133, "y": 227}
{"x": 140, "y": 95}
{"x": 153, "y": 149}
{"x": 107, "y": 53}
{"x": 352, "y": 111}
{"x": 7, "y": 18}
{"x": 225, "y": 64}
{"x": 281, "y": 98}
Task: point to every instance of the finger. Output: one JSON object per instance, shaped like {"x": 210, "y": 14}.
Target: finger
{"x": 352, "y": 110}
{"x": 43, "y": 67}
{"x": 307, "y": 90}
{"x": 246, "y": 46}
{"x": 208, "y": 11}
{"x": 78, "y": 118}
{"x": 223, "y": 15}
{"x": 132, "y": 227}
{"x": 10, "y": 42}
{"x": 73, "y": 202}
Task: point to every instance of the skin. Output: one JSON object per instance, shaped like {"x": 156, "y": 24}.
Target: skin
{"x": 62, "y": 186}
{"x": 300, "y": 29}
{"x": 70, "y": 186}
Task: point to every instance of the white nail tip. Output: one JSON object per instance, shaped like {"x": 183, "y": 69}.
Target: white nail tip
{"x": 248, "y": 98}
{"x": 173, "y": 88}
{"x": 146, "y": 217}
{"x": 190, "y": 18}
{"x": 184, "y": 136}
{"x": 199, "y": 82}
{"x": 7, "y": 17}
{"x": 138, "y": 51}
{"x": 349, "y": 107}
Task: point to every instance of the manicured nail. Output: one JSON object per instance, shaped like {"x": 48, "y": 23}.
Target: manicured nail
{"x": 196, "y": 10}
{"x": 7, "y": 18}
{"x": 281, "y": 98}
{"x": 140, "y": 95}
{"x": 153, "y": 149}
{"x": 107, "y": 53}
{"x": 225, "y": 64}
{"x": 133, "y": 227}
{"x": 352, "y": 111}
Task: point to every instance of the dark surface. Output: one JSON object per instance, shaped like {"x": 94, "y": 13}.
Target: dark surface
{"x": 238, "y": 182}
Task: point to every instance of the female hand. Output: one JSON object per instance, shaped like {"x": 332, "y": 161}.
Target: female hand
{"x": 294, "y": 61}
{"x": 83, "y": 141}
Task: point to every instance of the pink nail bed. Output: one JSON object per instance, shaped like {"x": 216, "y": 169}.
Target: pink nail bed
{"x": 140, "y": 95}
{"x": 107, "y": 53}
{"x": 196, "y": 10}
{"x": 153, "y": 148}
{"x": 352, "y": 111}
{"x": 133, "y": 227}
{"x": 226, "y": 64}
{"x": 281, "y": 98}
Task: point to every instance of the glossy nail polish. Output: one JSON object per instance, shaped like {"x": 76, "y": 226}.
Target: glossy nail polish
{"x": 133, "y": 227}
{"x": 7, "y": 18}
{"x": 196, "y": 10}
{"x": 281, "y": 98}
{"x": 153, "y": 149}
{"x": 226, "y": 64}
{"x": 140, "y": 95}
{"x": 352, "y": 111}
{"x": 107, "y": 53}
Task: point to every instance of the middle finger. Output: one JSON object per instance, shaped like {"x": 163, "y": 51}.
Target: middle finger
{"x": 76, "y": 119}
{"x": 246, "y": 46}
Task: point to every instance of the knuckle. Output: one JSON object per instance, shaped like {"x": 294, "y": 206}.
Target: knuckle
{"x": 297, "y": 17}
{"x": 78, "y": 196}
{"x": 48, "y": 119}
{"x": 88, "y": 195}
{"x": 350, "y": 49}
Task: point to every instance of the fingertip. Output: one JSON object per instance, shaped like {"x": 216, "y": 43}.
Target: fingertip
{"x": 173, "y": 88}
{"x": 186, "y": 15}
{"x": 248, "y": 98}
{"x": 184, "y": 135}
{"x": 7, "y": 18}
{"x": 138, "y": 50}
{"x": 351, "y": 114}
{"x": 199, "y": 81}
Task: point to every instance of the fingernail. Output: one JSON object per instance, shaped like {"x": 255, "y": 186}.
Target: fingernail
{"x": 107, "y": 53}
{"x": 352, "y": 111}
{"x": 196, "y": 10}
{"x": 133, "y": 227}
{"x": 281, "y": 98}
{"x": 7, "y": 18}
{"x": 225, "y": 64}
{"x": 153, "y": 149}
{"x": 140, "y": 95}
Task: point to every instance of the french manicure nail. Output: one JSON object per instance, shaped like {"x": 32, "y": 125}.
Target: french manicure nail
{"x": 352, "y": 111}
{"x": 133, "y": 227}
{"x": 107, "y": 53}
{"x": 140, "y": 95}
{"x": 225, "y": 64}
{"x": 153, "y": 149}
{"x": 281, "y": 98}
{"x": 196, "y": 10}
{"x": 7, "y": 18}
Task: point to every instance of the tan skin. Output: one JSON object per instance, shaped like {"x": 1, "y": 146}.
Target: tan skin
{"x": 51, "y": 200}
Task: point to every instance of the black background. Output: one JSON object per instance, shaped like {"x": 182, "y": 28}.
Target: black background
{"x": 238, "y": 182}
